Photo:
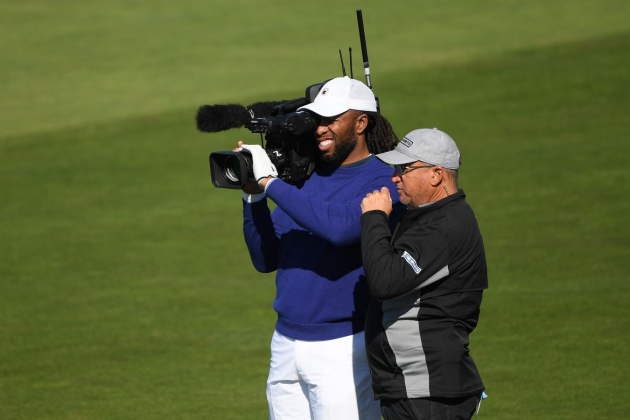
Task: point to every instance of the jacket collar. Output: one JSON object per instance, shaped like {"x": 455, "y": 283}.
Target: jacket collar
{"x": 430, "y": 207}
{"x": 414, "y": 213}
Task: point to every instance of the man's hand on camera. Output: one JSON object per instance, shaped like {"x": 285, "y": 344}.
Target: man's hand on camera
{"x": 250, "y": 187}
{"x": 263, "y": 169}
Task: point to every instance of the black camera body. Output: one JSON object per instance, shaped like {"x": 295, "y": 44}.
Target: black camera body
{"x": 289, "y": 143}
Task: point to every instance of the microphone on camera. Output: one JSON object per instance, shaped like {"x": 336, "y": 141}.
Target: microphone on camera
{"x": 215, "y": 118}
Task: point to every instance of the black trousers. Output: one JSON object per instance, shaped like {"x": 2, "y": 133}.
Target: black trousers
{"x": 429, "y": 409}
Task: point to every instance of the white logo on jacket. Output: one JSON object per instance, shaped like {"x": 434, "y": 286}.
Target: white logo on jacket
{"x": 411, "y": 262}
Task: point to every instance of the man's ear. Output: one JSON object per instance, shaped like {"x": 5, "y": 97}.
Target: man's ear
{"x": 361, "y": 123}
{"x": 437, "y": 176}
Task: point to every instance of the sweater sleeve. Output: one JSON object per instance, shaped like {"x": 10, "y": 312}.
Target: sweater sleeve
{"x": 338, "y": 221}
{"x": 260, "y": 236}
{"x": 419, "y": 257}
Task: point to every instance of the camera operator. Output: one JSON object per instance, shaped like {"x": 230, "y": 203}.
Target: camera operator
{"x": 318, "y": 365}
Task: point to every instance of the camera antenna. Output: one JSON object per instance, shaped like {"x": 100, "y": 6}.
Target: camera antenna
{"x": 343, "y": 68}
{"x": 366, "y": 63}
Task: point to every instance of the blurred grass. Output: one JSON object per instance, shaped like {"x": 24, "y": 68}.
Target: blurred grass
{"x": 67, "y": 62}
{"x": 126, "y": 291}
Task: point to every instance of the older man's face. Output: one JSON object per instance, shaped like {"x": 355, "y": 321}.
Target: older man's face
{"x": 413, "y": 182}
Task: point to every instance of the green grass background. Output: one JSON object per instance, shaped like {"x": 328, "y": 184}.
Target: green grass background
{"x": 126, "y": 291}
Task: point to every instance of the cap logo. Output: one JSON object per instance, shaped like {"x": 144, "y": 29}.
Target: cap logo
{"x": 324, "y": 91}
{"x": 406, "y": 142}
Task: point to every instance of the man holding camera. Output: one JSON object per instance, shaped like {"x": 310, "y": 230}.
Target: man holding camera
{"x": 426, "y": 280}
{"x": 318, "y": 366}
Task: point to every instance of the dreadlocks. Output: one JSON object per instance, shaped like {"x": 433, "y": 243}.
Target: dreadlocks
{"x": 380, "y": 136}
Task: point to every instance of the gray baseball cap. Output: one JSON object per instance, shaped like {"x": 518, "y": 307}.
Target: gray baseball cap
{"x": 427, "y": 145}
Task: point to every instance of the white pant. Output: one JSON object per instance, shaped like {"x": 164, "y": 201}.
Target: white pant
{"x": 320, "y": 380}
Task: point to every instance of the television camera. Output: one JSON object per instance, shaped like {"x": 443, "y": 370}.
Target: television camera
{"x": 288, "y": 133}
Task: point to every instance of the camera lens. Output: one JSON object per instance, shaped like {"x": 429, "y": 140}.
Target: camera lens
{"x": 232, "y": 167}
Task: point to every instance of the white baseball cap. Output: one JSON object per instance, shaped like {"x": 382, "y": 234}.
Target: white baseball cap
{"x": 340, "y": 95}
{"x": 427, "y": 145}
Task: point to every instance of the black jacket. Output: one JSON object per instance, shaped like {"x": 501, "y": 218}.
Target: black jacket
{"x": 426, "y": 281}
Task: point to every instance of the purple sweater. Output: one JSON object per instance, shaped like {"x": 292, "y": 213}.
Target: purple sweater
{"x": 312, "y": 239}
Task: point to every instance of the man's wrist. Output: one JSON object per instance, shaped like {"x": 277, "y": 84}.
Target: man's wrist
{"x": 264, "y": 183}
